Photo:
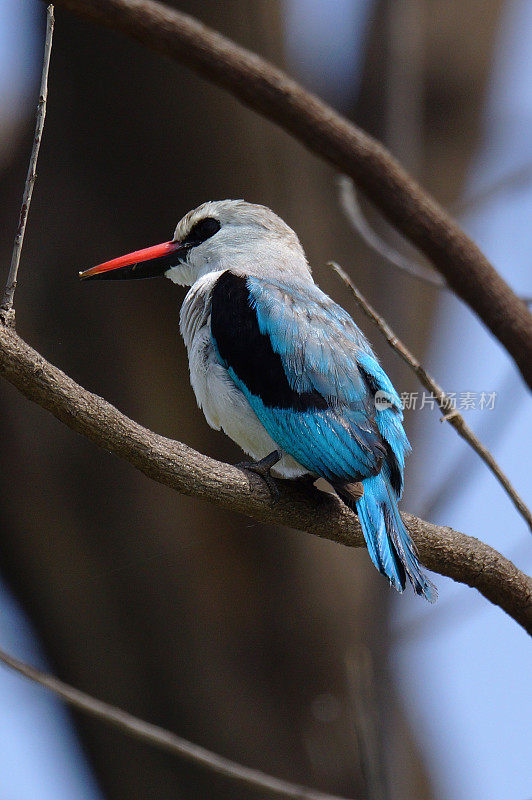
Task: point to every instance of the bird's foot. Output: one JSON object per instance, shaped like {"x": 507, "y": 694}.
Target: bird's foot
{"x": 262, "y": 469}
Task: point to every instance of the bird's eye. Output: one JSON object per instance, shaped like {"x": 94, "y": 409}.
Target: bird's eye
{"x": 202, "y": 230}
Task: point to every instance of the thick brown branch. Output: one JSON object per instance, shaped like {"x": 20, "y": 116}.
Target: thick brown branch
{"x": 172, "y": 463}
{"x": 269, "y": 91}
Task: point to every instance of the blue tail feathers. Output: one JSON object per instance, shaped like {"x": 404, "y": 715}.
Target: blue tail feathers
{"x": 389, "y": 544}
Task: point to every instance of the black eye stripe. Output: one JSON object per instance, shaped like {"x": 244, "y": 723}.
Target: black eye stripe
{"x": 202, "y": 231}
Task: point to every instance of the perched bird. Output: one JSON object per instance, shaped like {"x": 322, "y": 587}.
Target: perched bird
{"x": 283, "y": 370}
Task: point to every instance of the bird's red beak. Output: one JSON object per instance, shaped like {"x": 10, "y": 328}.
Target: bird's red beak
{"x": 151, "y": 262}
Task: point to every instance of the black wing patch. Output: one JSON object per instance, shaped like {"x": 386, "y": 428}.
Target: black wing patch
{"x": 241, "y": 345}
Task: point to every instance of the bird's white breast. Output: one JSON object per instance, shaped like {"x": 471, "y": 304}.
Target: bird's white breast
{"x": 224, "y": 405}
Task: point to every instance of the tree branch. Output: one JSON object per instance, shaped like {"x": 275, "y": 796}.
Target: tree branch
{"x": 173, "y": 464}
{"x": 6, "y": 307}
{"x": 266, "y": 89}
{"x": 444, "y": 402}
{"x": 162, "y": 738}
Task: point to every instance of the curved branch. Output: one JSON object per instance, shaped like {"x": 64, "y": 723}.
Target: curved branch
{"x": 266, "y": 89}
{"x": 301, "y": 506}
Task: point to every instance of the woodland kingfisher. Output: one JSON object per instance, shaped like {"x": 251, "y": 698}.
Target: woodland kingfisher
{"x": 283, "y": 370}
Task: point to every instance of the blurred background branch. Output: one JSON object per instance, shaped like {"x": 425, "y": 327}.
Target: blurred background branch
{"x": 163, "y": 739}
{"x": 350, "y": 205}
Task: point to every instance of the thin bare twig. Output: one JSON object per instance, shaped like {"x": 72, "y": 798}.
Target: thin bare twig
{"x": 443, "y": 400}
{"x": 162, "y": 738}
{"x": 350, "y": 205}
{"x": 300, "y": 506}
{"x": 267, "y": 90}
{"x": 6, "y": 307}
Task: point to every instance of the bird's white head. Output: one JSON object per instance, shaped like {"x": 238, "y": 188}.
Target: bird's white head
{"x": 218, "y": 235}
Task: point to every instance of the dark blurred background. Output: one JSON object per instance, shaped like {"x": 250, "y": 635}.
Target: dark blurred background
{"x": 277, "y": 649}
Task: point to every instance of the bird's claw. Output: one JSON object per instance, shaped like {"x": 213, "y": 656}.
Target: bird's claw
{"x": 262, "y": 469}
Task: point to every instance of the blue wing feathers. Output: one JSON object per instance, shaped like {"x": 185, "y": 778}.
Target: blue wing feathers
{"x": 313, "y": 388}
{"x": 320, "y": 440}
{"x": 312, "y": 335}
